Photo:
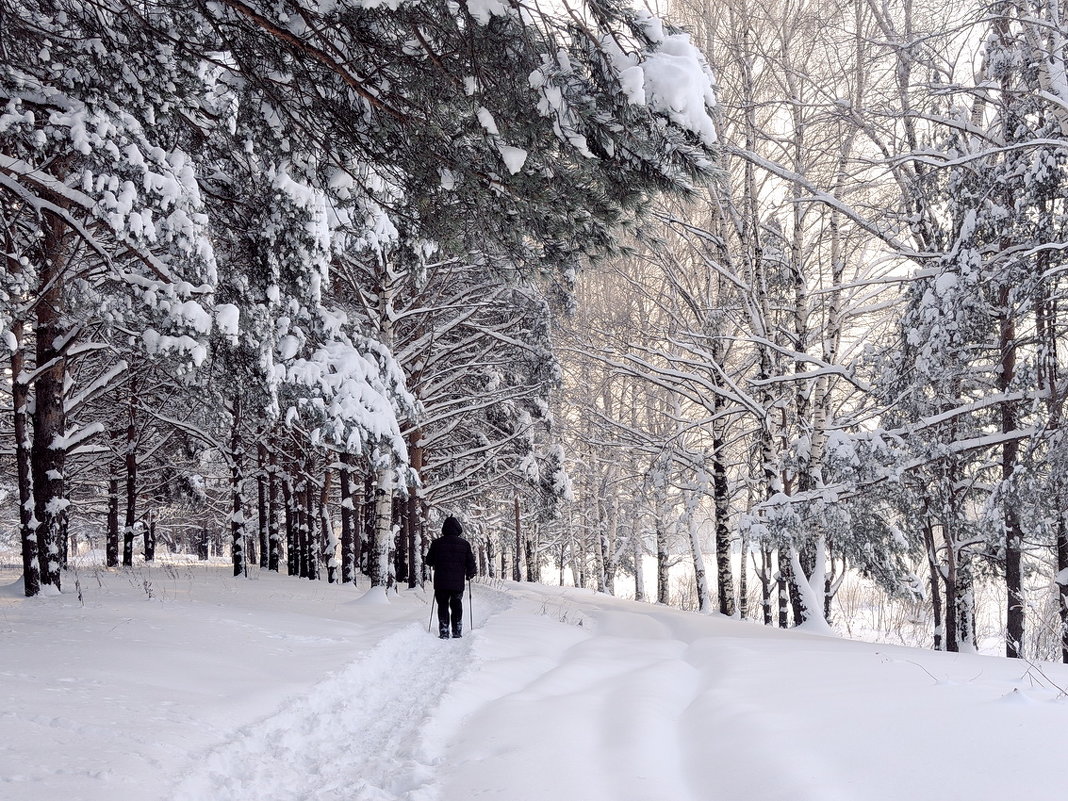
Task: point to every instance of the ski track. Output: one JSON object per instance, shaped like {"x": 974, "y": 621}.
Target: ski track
{"x": 358, "y": 735}
{"x": 391, "y": 726}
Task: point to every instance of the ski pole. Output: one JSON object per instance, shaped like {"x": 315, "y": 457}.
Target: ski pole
{"x": 433, "y": 600}
{"x": 470, "y": 608}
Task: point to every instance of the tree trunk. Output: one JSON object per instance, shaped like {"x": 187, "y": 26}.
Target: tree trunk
{"x": 767, "y": 582}
{"x": 48, "y": 455}
{"x": 311, "y": 531}
{"x": 329, "y": 540}
{"x": 111, "y": 543}
{"x": 787, "y": 590}
{"x": 533, "y": 566}
{"x": 370, "y": 541}
{"x": 20, "y": 398}
{"x": 349, "y": 550}
{"x": 935, "y": 582}
{"x": 612, "y": 556}
{"x": 399, "y": 519}
{"x": 150, "y": 538}
{"x": 1062, "y": 583}
{"x": 516, "y": 575}
{"x": 131, "y": 483}
{"x": 289, "y": 501}
{"x": 951, "y": 581}
{"x": 704, "y": 602}
{"x": 237, "y": 479}
{"x": 274, "y": 538}
{"x": 383, "y": 528}
{"x": 639, "y": 576}
{"x": 261, "y": 502}
{"x": 413, "y": 516}
{"x": 721, "y": 499}
{"x": 1014, "y": 611}
{"x": 743, "y": 580}
{"x": 663, "y": 589}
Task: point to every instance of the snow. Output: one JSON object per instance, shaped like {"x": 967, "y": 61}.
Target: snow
{"x": 179, "y": 682}
{"x": 485, "y": 119}
{"x": 228, "y": 317}
{"x": 514, "y": 157}
{"x": 484, "y": 10}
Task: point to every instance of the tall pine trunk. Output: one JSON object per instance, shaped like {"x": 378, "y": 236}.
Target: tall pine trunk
{"x": 150, "y": 538}
{"x": 274, "y": 538}
{"x": 131, "y": 482}
{"x": 261, "y": 503}
{"x": 327, "y": 538}
{"x": 516, "y": 574}
{"x": 237, "y": 479}
{"x": 349, "y": 549}
{"x": 111, "y": 542}
{"x": 1062, "y": 582}
{"x": 1014, "y": 611}
{"x": 414, "y": 514}
{"x": 289, "y": 501}
{"x": 20, "y": 397}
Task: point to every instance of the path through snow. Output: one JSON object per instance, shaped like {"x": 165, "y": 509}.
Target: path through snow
{"x": 356, "y": 735}
{"x": 211, "y": 689}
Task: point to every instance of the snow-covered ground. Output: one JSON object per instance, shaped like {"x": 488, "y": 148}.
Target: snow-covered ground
{"x": 179, "y": 683}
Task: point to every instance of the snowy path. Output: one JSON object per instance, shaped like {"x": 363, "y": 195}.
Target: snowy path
{"x": 356, "y": 735}
{"x": 279, "y": 690}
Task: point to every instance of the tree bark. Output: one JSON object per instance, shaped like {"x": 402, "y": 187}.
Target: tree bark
{"x": 20, "y": 398}
{"x": 663, "y": 589}
{"x": 48, "y": 453}
{"x": 1014, "y": 611}
{"x": 413, "y": 516}
{"x": 261, "y": 503}
{"x": 289, "y": 502}
{"x": 383, "y": 528}
{"x": 111, "y": 543}
{"x": 131, "y": 483}
{"x": 237, "y": 479}
{"x": 349, "y": 550}
{"x": 935, "y": 583}
{"x": 329, "y": 541}
{"x": 951, "y": 582}
{"x": 721, "y": 500}
{"x": 516, "y": 575}
{"x": 310, "y": 530}
{"x": 150, "y": 538}
{"x": 1062, "y": 583}
{"x": 704, "y": 602}
{"x": 639, "y": 576}
{"x": 274, "y": 538}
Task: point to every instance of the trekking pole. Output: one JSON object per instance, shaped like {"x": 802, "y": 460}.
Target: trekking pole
{"x": 470, "y": 608}
{"x": 433, "y": 600}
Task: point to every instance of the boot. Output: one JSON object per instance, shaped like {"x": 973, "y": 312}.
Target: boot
{"x": 443, "y": 632}
{"x": 456, "y": 629}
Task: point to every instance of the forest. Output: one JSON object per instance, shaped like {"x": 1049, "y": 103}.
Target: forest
{"x": 765, "y": 292}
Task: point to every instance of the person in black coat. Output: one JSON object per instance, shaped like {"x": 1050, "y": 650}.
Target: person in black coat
{"x": 453, "y": 561}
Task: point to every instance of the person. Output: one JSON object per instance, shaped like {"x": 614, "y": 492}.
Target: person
{"x": 453, "y": 561}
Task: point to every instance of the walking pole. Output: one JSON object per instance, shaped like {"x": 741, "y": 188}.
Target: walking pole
{"x": 470, "y": 608}
{"x": 433, "y": 600}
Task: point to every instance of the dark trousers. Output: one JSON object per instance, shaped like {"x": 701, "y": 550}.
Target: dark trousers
{"x": 450, "y": 602}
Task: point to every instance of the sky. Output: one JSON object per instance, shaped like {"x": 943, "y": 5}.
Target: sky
{"x": 179, "y": 682}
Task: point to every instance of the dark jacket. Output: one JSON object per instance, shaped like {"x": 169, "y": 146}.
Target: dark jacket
{"x": 453, "y": 561}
